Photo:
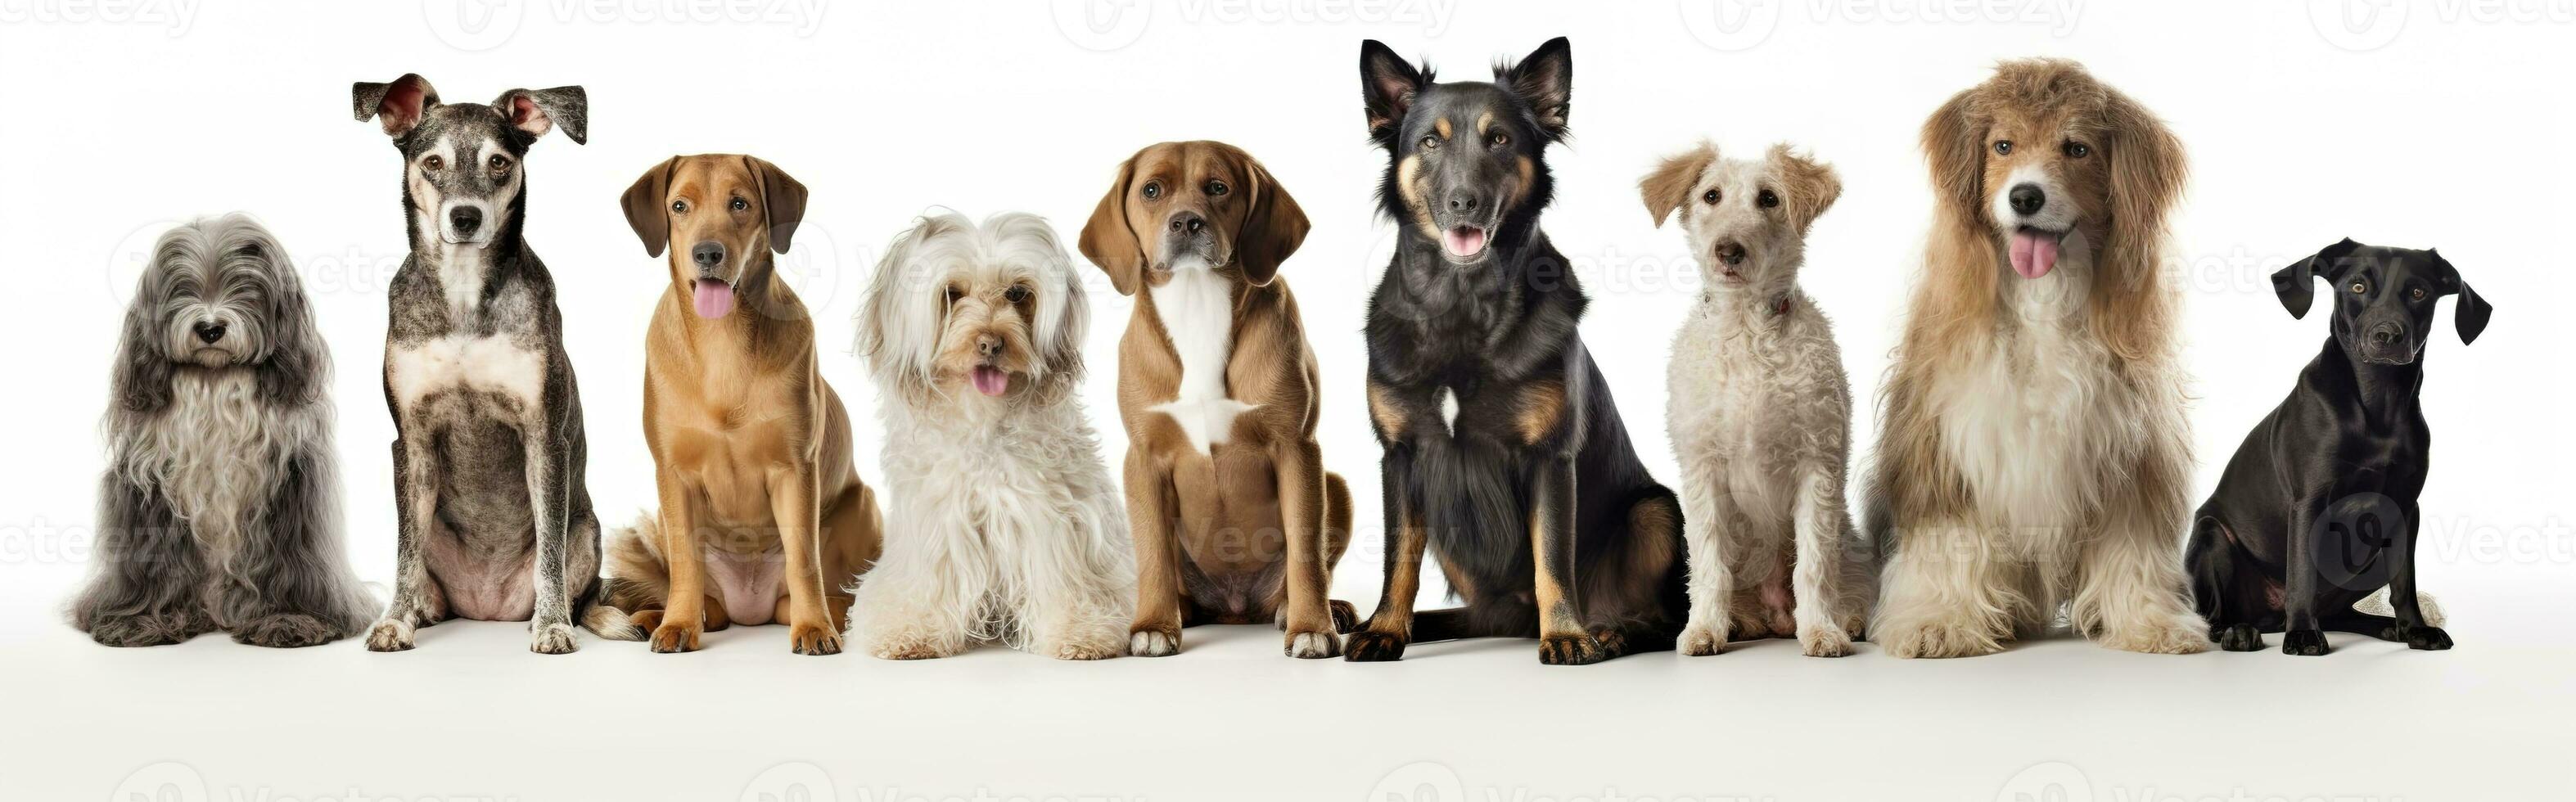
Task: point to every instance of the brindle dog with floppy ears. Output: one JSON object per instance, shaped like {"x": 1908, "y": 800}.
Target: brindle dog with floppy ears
{"x": 495, "y": 522}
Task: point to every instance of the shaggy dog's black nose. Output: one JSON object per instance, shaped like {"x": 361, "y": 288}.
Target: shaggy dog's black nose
{"x": 707, "y": 254}
{"x": 1462, "y": 203}
{"x": 208, "y": 333}
{"x": 465, "y": 219}
{"x": 2026, "y": 199}
{"x": 1188, "y": 222}
{"x": 1730, "y": 253}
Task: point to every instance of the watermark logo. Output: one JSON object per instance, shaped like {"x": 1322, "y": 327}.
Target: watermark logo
{"x": 2348, "y": 542}
{"x": 791, "y": 782}
{"x": 2358, "y": 25}
{"x": 479, "y": 25}
{"x": 473, "y": 25}
{"x": 176, "y": 16}
{"x": 2047, "y": 782}
{"x": 161, "y": 782}
{"x": 1106, "y": 25}
{"x": 1103, "y": 25}
{"x": 1731, "y": 25}
{"x": 1419, "y": 782}
{"x": 1738, "y": 25}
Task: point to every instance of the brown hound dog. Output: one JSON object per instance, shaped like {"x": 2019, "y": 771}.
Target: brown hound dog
{"x": 751, "y": 448}
{"x": 1232, "y": 510}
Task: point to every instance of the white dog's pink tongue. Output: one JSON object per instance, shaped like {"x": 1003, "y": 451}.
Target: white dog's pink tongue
{"x": 2033, "y": 253}
{"x": 990, "y": 380}
{"x": 1463, "y": 241}
{"x": 714, "y": 298}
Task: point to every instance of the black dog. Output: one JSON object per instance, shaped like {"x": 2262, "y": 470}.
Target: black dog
{"x": 2317, "y": 510}
{"x": 1503, "y": 451}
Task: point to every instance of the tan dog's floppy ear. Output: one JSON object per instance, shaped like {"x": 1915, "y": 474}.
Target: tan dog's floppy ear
{"x": 1669, "y": 186}
{"x": 643, "y": 203}
{"x": 537, "y": 111}
{"x": 1809, "y": 186}
{"x": 1272, "y": 231}
{"x": 2147, "y": 172}
{"x": 1108, "y": 241}
{"x": 782, "y": 198}
{"x": 1954, "y": 142}
{"x": 398, "y": 106}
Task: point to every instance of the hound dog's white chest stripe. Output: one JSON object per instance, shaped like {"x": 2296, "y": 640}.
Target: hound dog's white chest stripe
{"x": 460, "y": 279}
{"x": 486, "y": 364}
{"x": 1197, "y": 312}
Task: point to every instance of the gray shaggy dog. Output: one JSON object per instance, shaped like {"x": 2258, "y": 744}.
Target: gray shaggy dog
{"x": 220, "y": 508}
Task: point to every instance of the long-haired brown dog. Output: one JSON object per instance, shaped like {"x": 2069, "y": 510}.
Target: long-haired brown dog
{"x": 1234, "y": 517}
{"x": 2032, "y": 448}
{"x": 763, "y": 517}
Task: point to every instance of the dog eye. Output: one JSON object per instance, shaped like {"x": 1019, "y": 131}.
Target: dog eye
{"x": 1214, "y": 187}
{"x": 1153, "y": 190}
{"x": 1500, "y": 140}
{"x": 2003, "y": 147}
{"x": 1710, "y": 197}
{"x": 740, "y": 204}
{"x": 679, "y": 207}
{"x": 2078, "y": 150}
{"x": 1016, "y": 294}
{"x": 1430, "y": 142}
{"x": 2359, "y": 288}
{"x": 434, "y": 163}
{"x": 2416, "y": 294}
{"x": 1768, "y": 199}
{"x": 500, "y": 162}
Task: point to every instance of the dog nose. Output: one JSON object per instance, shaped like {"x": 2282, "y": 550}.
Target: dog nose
{"x": 209, "y": 332}
{"x": 2027, "y": 198}
{"x": 707, "y": 254}
{"x": 1461, "y": 202}
{"x": 465, "y": 219}
{"x": 987, "y": 345}
{"x": 1188, "y": 223}
{"x": 1731, "y": 253}
{"x": 2386, "y": 334}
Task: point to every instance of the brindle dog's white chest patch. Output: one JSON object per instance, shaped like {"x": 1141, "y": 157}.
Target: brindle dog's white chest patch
{"x": 1197, "y": 312}
{"x": 464, "y": 363}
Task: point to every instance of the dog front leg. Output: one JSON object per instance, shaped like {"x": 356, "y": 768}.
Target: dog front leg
{"x": 1150, "y": 518}
{"x": 549, "y": 461}
{"x": 1562, "y": 640}
{"x": 1391, "y": 626}
{"x": 684, "y": 605}
{"x": 1819, "y": 565}
{"x": 145, "y": 577}
{"x": 1301, "y": 513}
{"x": 416, "y": 471}
{"x": 1712, "y": 579}
{"x": 2130, "y": 590}
{"x": 2301, "y": 633}
{"x": 795, "y": 503}
{"x": 301, "y": 594}
{"x": 2411, "y": 624}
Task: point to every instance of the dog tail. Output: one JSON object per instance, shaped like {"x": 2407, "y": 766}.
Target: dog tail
{"x": 635, "y": 581}
{"x": 2378, "y": 604}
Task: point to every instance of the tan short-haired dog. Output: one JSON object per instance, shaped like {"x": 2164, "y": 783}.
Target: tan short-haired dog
{"x": 751, "y": 449}
{"x": 1232, "y": 511}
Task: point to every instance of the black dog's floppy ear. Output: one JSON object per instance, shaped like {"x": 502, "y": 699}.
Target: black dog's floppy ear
{"x": 1272, "y": 230}
{"x": 1545, "y": 78}
{"x": 2471, "y": 311}
{"x": 1108, "y": 241}
{"x": 1388, "y": 84}
{"x": 643, "y": 204}
{"x": 398, "y": 106}
{"x": 537, "y": 111}
{"x": 782, "y": 197}
{"x": 2296, "y": 284}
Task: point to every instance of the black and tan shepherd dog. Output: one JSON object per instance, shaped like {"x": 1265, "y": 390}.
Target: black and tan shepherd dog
{"x": 1504, "y": 454}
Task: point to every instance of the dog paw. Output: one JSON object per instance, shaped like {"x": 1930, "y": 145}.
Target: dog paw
{"x": 1346, "y": 619}
{"x": 673, "y": 637}
{"x": 1938, "y": 641}
{"x": 1314, "y": 645}
{"x": 2425, "y": 638}
{"x": 285, "y": 631}
{"x": 1370, "y": 646}
{"x": 1824, "y": 640}
{"x": 1612, "y": 641}
{"x": 2239, "y": 638}
{"x": 1575, "y": 649}
{"x": 390, "y": 635}
{"x": 552, "y": 639}
{"x": 1085, "y": 651}
{"x": 149, "y": 629}
{"x": 2303, "y": 642}
{"x": 1154, "y": 642}
{"x": 2177, "y": 637}
{"x": 647, "y": 620}
{"x": 814, "y": 640}
{"x": 1700, "y": 641}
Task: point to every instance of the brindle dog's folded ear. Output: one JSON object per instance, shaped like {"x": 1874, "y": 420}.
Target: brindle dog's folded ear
{"x": 643, "y": 204}
{"x": 1544, "y": 78}
{"x": 782, "y": 198}
{"x": 2471, "y": 312}
{"x": 1272, "y": 230}
{"x": 1669, "y": 186}
{"x": 537, "y": 111}
{"x": 398, "y": 106}
{"x": 2296, "y": 284}
{"x": 1109, "y": 242}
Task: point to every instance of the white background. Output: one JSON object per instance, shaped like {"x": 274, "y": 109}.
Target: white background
{"x": 2433, "y": 123}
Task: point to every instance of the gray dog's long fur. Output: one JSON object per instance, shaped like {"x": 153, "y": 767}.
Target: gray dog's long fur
{"x": 220, "y": 507}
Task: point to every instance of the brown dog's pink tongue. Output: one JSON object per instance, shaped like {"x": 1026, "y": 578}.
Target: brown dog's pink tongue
{"x": 714, "y": 298}
{"x": 990, "y": 381}
{"x": 2033, "y": 253}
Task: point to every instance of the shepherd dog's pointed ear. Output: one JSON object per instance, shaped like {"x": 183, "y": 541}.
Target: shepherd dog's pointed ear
{"x": 1668, "y": 187}
{"x": 537, "y": 111}
{"x": 2470, "y": 313}
{"x": 643, "y": 204}
{"x": 398, "y": 106}
{"x": 1544, "y": 78}
{"x": 782, "y": 199}
{"x": 2296, "y": 284}
{"x": 1388, "y": 84}
{"x": 1272, "y": 230}
{"x": 1108, "y": 241}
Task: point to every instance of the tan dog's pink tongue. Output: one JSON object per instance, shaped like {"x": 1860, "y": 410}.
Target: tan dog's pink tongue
{"x": 2033, "y": 253}
{"x": 714, "y": 298}
{"x": 990, "y": 381}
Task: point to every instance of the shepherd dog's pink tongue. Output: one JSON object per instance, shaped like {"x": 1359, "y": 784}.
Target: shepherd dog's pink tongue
{"x": 2033, "y": 253}
{"x": 714, "y": 298}
{"x": 990, "y": 381}
{"x": 1463, "y": 241}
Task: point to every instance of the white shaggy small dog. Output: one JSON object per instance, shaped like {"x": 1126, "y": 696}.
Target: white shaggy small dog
{"x": 1760, "y": 410}
{"x": 1002, "y": 524}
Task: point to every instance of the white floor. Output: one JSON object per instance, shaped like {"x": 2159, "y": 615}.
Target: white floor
{"x": 472, "y": 715}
